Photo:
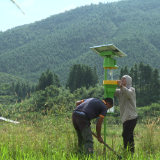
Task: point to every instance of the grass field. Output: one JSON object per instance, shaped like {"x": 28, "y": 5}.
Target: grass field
{"x": 53, "y": 137}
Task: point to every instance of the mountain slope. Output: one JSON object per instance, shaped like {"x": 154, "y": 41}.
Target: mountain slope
{"x": 62, "y": 40}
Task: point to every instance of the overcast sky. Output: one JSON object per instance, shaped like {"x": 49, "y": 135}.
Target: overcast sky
{"x": 35, "y": 10}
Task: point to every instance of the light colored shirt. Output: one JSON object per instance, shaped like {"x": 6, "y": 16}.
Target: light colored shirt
{"x": 127, "y": 101}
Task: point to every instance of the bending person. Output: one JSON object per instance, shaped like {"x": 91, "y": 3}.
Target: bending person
{"x": 127, "y": 103}
{"x": 86, "y": 110}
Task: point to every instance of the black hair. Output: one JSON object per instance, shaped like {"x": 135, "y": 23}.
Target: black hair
{"x": 110, "y": 100}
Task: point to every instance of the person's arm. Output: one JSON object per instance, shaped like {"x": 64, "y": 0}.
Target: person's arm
{"x": 98, "y": 129}
{"x": 117, "y": 92}
{"x": 79, "y": 102}
{"x": 129, "y": 93}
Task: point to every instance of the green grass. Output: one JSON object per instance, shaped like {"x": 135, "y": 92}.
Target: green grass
{"x": 53, "y": 137}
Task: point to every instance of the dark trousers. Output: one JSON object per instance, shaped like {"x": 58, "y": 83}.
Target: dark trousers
{"x": 128, "y": 138}
{"x": 83, "y": 129}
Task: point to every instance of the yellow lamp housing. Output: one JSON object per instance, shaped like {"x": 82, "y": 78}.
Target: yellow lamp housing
{"x": 110, "y": 87}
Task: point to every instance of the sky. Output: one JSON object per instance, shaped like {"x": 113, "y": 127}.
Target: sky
{"x": 36, "y": 10}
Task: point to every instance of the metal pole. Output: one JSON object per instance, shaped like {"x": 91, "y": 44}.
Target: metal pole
{"x": 105, "y": 96}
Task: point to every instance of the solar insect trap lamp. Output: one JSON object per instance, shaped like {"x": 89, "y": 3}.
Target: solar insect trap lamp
{"x": 108, "y": 52}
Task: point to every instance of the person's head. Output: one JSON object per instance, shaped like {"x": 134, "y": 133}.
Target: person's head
{"x": 126, "y": 81}
{"x": 109, "y": 102}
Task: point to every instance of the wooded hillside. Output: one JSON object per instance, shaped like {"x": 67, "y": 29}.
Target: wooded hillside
{"x": 65, "y": 39}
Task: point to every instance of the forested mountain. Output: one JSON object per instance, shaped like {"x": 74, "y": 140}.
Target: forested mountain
{"x": 9, "y": 79}
{"x": 65, "y": 39}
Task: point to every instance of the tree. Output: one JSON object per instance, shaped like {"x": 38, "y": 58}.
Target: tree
{"x": 81, "y": 75}
{"x": 95, "y": 76}
{"x": 121, "y": 73}
{"x": 56, "y": 81}
{"x": 125, "y": 71}
{"x": 23, "y": 90}
{"x": 135, "y": 76}
{"x": 141, "y": 77}
{"x": 42, "y": 82}
{"x": 155, "y": 86}
{"x": 17, "y": 88}
{"x": 47, "y": 79}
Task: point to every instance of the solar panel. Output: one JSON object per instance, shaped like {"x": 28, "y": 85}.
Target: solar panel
{"x": 109, "y": 47}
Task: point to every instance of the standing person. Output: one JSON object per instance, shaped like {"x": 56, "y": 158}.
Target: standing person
{"x": 86, "y": 110}
{"x": 127, "y": 103}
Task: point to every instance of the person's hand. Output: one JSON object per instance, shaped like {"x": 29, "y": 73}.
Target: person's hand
{"x": 100, "y": 139}
{"x": 119, "y": 82}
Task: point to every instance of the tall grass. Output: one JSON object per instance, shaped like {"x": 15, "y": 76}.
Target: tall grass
{"x": 53, "y": 137}
{"x": 149, "y": 140}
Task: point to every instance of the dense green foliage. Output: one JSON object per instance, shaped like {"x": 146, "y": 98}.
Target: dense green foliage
{"x": 22, "y": 89}
{"x": 65, "y": 39}
{"x": 14, "y": 88}
{"x": 81, "y": 84}
{"x": 81, "y": 76}
{"x": 55, "y": 101}
{"x": 47, "y": 79}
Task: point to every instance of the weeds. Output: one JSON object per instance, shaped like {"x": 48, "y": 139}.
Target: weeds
{"x": 53, "y": 137}
{"x": 149, "y": 141}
